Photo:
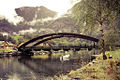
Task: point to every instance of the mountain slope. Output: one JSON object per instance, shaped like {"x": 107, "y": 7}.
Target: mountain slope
{"x": 30, "y": 13}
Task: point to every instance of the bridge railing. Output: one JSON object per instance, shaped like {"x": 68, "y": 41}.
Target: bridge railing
{"x": 56, "y": 48}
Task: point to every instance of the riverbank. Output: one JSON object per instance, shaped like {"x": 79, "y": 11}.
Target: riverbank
{"x": 8, "y": 52}
{"x": 96, "y": 70}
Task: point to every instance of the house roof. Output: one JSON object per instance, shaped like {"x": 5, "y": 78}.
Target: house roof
{"x": 2, "y": 43}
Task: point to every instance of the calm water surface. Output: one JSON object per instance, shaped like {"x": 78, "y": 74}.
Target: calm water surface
{"x": 19, "y": 68}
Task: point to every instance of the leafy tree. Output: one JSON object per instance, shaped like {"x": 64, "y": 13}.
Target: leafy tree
{"x": 20, "y": 40}
{"x": 1, "y": 37}
{"x": 111, "y": 39}
{"x": 28, "y": 36}
{"x": 90, "y": 13}
{"x": 10, "y": 39}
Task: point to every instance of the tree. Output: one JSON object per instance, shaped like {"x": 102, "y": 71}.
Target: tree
{"x": 1, "y": 37}
{"x": 111, "y": 39}
{"x": 96, "y": 12}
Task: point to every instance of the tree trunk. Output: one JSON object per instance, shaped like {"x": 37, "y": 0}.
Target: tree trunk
{"x": 102, "y": 39}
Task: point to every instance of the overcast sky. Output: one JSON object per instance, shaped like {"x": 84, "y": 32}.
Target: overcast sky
{"x": 7, "y": 6}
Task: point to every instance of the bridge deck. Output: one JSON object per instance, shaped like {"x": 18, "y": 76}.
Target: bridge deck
{"x": 56, "y": 48}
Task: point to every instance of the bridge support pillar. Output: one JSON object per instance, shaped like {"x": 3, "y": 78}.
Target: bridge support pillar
{"x": 74, "y": 51}
{"x": 50, "y": 54}
{"x": 27, "y": 53}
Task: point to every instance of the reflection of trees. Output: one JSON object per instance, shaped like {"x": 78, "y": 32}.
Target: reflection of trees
{"x": 50, "y": 67}
{"x": 44, "y": 67}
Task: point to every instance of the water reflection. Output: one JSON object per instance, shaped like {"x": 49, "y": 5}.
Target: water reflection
{"x": 11, "y": 69}
{"x": 21, "y": 68}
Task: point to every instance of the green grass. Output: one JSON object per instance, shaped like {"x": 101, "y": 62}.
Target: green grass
{"x": 115, "y": 54}
{"x": 97, "y": 70}
{"x": 100, "y": 70}
{"x": 5, "y": 50}
{"x": 17, "y": 37}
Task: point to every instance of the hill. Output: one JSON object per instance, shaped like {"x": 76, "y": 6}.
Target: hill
{"x": 34, "y": 19}
{"x": 31, "y": 13}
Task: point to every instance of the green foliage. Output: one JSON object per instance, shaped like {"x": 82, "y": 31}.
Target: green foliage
{"x": 2, "y": 37}
{"x": 5, "y": 50}
{"x": 115, "y": 54}
{"x": 18, "y": 39}
{"x": 7, "y": 38}
{"x": 90, "y": 12}
{"x": 12, "y": 39}
{"x": 111, "y": 39}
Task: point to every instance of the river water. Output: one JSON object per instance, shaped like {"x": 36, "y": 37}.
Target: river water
{"x": 22, "y": 68}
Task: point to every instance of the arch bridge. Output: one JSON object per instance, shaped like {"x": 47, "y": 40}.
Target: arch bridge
{"x": 32, "y": 44}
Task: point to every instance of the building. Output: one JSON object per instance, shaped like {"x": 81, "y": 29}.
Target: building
{"x": 45, "y": 44}
{"x": 6, "y": 45}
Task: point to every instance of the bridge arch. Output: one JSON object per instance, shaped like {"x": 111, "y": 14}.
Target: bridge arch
{"x": 56, "y": 35}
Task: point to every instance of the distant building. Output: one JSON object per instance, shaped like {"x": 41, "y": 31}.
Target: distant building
{"x": 6, "y": 45}
{"x": 45, "y": 44}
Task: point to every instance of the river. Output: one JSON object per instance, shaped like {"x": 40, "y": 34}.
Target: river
{"x": 22, "y": 68}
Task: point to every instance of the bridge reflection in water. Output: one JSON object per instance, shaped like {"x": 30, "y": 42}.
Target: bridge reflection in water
{"x": 39, "y": 69}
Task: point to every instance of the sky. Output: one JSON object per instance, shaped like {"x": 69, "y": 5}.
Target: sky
{"x": 7, "y": 7}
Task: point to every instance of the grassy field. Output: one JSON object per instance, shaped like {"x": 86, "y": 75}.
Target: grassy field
{"x": 96, "y": 70}
{"x": 17, "y": 37}
{"x": 5, "y": 50}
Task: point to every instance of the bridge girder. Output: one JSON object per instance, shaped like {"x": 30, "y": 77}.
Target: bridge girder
{"x": 57, "y": 35}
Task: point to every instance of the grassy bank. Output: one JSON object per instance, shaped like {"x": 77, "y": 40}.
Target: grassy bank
{"x": 5, "y": 50}
{"x": 54, "y": 55}
{"x": 96, "y": 70}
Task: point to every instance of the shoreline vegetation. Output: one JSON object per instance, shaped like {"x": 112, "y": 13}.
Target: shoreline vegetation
{"x": 8, "y": 53}
{"x": 98, "y": 69}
